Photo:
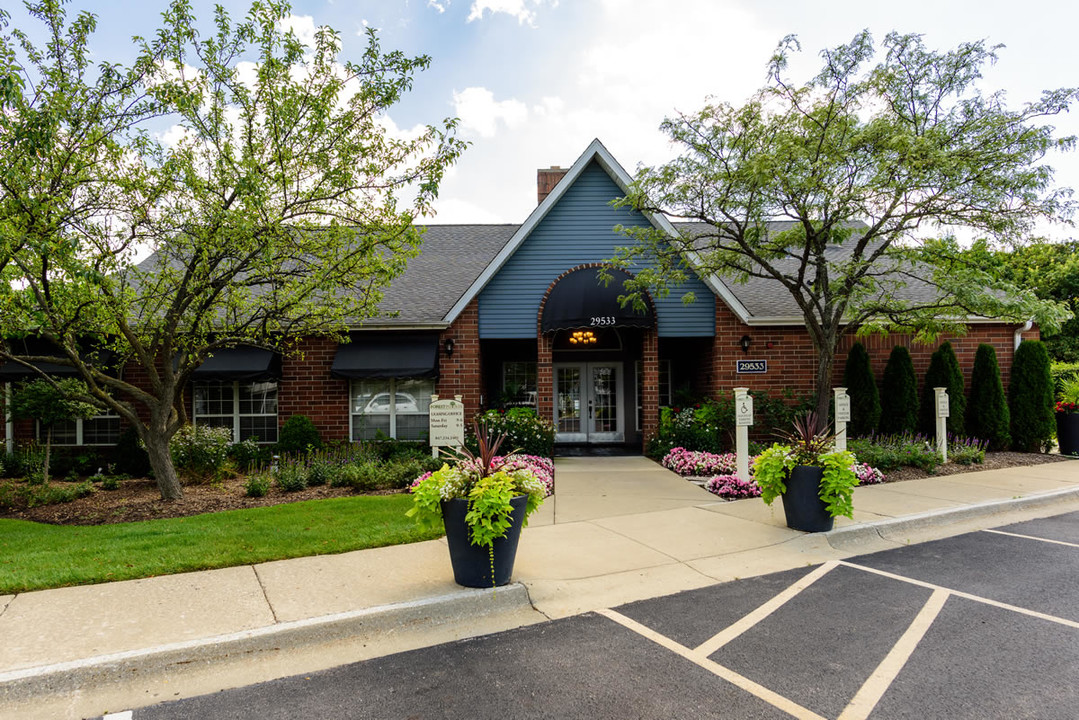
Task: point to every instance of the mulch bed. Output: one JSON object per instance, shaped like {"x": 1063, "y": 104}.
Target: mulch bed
{"x": 139, "y": 499}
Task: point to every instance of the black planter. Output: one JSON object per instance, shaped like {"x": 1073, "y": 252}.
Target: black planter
{"x": 802, "y": 504}
{"x": 1068, "y": 433}
{"x": 472, "y": 563}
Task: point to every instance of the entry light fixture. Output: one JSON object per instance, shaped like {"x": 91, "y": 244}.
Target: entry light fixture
{"x": 448, "y": 346}
{"x": 583, "y": 337}
{"x": 745, "y": 342}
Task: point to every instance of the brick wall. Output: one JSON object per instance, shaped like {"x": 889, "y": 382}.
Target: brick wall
{"x": 792, "y": 359}
{"x": 462, "y": 372}
{"x": 307, "y": 388}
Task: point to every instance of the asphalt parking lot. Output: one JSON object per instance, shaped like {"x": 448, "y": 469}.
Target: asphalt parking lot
{"x": 983, "y": 625}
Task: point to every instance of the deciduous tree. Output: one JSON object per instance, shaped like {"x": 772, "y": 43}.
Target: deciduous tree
{"x": 282, "y": 207}
{"x": 863, "y": 161}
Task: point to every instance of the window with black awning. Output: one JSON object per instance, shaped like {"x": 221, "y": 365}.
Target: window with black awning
{"x": 387, "y": 356}
{"x": 581, "y": 300}
{"x": 242, "y": 364}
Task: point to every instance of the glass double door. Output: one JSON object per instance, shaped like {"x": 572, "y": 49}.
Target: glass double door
{"x": 588, "y": 402}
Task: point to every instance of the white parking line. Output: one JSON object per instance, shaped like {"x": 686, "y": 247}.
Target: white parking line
{"x": 1032, "y": 537}
{"x": 731, "y": 632}
{"x": 968, "y": 596}
{"x": 740, "y": 681}
{"x": 125, "y": 715}
{"x": 877, "y": 684}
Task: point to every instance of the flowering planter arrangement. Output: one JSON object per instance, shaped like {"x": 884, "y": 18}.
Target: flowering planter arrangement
{"x": 1067, "y": 415}
{"x": 483, "y": 501}
{"x": 816, "y": 484}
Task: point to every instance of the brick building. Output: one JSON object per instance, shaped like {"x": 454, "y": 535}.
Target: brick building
{"x": 514, "y": 314}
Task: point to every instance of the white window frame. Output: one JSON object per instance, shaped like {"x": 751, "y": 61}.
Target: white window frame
{"x": 107, "y": 415}
{"x": 391, "y": 388}
{"x": 531, "y": 393}
{"x": 236, "y": 414}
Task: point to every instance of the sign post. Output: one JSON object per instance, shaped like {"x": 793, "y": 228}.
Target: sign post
{"x": 943, "y": 410}
{"x": 743, "y": 419}
{"x": 446, "y": 423}
{"x": 842, "y": 417}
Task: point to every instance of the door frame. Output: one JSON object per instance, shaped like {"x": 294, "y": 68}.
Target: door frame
{"x": 588, "y": 433}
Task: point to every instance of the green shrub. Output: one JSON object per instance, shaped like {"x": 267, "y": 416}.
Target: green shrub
{"x": 899, "y": 394}
{"x": 862, "y": 388}
{"x": 888, "y": 452}
{"x": 110, "y": 482}
{"x": 525, "y": 431}
{"x": 36, "y": 495}
{"x": 130, "y": 456}
{"x": 257, "y": 485}
{"x": 291, "y": 475}
{"x": 943, "y": 372}
{"x": 1030, "y": 398}
{"x": 319, "y": 469}
{"x": 248, "y": 455}
{"x": 298, "y": 435}
{"x": 363, "y": 477}
{"x": 987, "y": 412}
{"x": 200, "y": 452}
{"x": 1061, "y": 372}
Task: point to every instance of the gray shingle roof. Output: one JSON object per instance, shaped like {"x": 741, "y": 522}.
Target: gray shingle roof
{"x": 450, "y": 260}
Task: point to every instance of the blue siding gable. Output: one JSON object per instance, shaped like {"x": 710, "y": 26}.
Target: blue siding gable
{"x": 578, "y": 230}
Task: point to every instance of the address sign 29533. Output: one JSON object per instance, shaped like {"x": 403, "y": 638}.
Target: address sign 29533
{"x": 751, "y": 366}
{"x": 602, "y": 320}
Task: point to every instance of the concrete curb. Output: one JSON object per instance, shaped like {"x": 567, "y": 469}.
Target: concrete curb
{"x": 68, "y": 677}
{"x": 946, "y": 516}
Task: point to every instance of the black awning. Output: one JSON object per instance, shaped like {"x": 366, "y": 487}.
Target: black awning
{"x": 580, "y": 300}
{"x": 12, "y": 371}
{"x": 387, "y": 356}
{"x": 242, "y": 363}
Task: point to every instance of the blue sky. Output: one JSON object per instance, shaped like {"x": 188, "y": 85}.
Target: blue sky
{"x": 534, "y": 81}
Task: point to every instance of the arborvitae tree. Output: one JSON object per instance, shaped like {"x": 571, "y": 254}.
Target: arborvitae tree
{"x": 943, "y": 372}
{"x": 862, "y": 388}
{"x": 1030, "y": 397}
{"x": 899, "y": 394}
{"x": 987, "y": 410}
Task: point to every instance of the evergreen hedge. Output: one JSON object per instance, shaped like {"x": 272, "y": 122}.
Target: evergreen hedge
{"x": 1030, "y": 398}
{"x": 862, "y": 388}
{"x": 943, "y": 372}
{"x": 899, "y": 394}
{"x": 988, "y": 417}
{"x": 298, "y": 435}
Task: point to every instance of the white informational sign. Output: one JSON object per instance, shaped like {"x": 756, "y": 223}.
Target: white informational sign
{"x": 447, "y": 423}
{"x": 943, "y": 407}
{"x": 842, "y": 408}
{"x": 743, "y": 410}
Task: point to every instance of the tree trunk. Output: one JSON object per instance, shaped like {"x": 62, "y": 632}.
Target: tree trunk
{"x": 823, "y": 382}
{"x": 48, "y": 448}
{"x": 157, "y": 448}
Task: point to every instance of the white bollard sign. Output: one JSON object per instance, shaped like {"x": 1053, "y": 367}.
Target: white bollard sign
{"x": 842, "y": 417}
{"x": 446, "y": 423}
{"x": 943, "y": 410}
{"x": 743, "y": 419}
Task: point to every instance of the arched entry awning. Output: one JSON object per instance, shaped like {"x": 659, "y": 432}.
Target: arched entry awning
{"x": 580, "y": 300}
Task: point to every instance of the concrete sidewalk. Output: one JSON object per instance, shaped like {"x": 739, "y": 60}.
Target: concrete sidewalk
{"x": 618, "y": 529}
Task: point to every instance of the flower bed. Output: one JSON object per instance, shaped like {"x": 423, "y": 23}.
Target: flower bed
{"x": 697, "y": 463}
{"x": 541, "y": 467}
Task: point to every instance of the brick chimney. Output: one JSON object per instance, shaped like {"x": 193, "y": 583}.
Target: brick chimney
{"x": 546, "y": 179}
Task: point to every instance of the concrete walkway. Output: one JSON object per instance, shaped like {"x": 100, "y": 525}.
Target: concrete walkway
{"x": 617, "y": 530}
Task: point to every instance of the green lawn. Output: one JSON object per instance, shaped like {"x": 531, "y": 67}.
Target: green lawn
{"x": 34, "y": 556}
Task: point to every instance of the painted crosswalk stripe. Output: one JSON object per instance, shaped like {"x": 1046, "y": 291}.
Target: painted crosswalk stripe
{"x": 735, "y": 629}
{"x": 772, "y": 698}
{"x": 877, "y": 684}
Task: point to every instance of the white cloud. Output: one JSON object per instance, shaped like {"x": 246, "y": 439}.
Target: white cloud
{"x": 481, "y": 113}
{"x": 523, "y": 10}
{"x": 303, "y": 26}
{"x": 439, "y": 6}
